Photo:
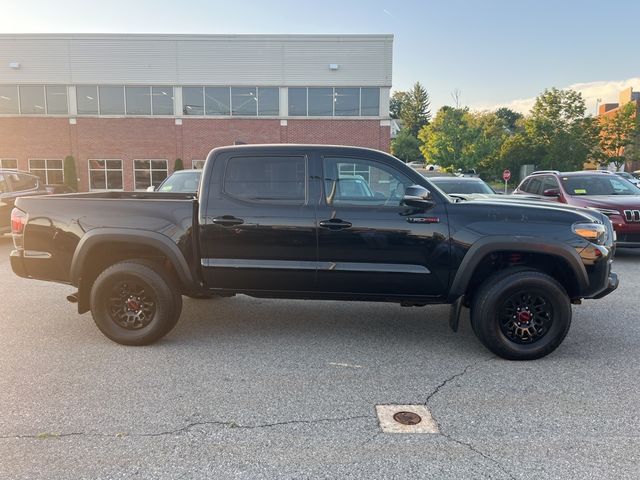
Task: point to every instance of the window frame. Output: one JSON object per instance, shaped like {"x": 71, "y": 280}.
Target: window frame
{"x": 297, "y": 202}
{"x": 105, "y": 170}
{"x": 377, "y": 164}
{"x": 47, "y": 169}
{"x": 9, "y": 168}
{"x": 333, "y": 115}
{"x": 150, "y": 170}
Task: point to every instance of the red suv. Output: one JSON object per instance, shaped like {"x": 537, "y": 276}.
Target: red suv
{"x": 604, "y": 191}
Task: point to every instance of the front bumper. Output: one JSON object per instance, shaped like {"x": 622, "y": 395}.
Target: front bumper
{"x": 612, "y": 285}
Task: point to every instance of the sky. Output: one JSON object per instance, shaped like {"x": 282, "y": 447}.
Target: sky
{"x": 494, "y": 52}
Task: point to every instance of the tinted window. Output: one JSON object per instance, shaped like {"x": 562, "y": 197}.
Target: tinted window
{"x": 162, "y": 100}
{"x": 464, "y": 187}
{"x": 87, "y": 99}
{"x": 217, "y": 101}
{"x": 8, "y": 99}
{"x": 111, "y": 99}
{"x": 138, "y": 100}
{"x": 298, "y": 102}
{"x": 21, "y": 182}
{"x": 549, "y": 183}
{"x": 321, "y": 102}
{"x": 57, "y": 99}
{"x": 347, "y": 102}
{"x": 32, "y": 99}
{"x": 192, "y": 101}
{"x": 370, "y": 99}
{"x": 266, "y": 178}
{"x": 534, "y": 186}
{"x": 362, "y": 182}
{"x": 189, "y": 181}
{"x": 244, "y": 101}
{"x": 268, "y": 101}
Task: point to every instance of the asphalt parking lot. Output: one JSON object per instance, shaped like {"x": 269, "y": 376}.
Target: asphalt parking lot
{"x": 251, "y": 388}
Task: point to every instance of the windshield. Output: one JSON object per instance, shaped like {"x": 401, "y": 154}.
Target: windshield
{"x": 586, "y": 185}
{"x": 182, "y": 182}
{"x": 461, "y": 186}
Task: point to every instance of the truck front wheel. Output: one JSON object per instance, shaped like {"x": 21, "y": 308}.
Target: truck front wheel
{"x": 135, "y": 302}
{"x": 521, "y": 315}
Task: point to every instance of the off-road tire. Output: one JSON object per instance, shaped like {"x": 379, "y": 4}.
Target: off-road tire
{"x": 151, "y": 288}
{"x": 495, "y": 315}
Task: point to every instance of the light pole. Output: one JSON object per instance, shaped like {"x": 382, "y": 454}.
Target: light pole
{"x": 598, "y": 100}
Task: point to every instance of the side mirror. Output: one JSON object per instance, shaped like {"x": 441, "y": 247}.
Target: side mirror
{"x": 551, "y": 192}
{"x": 418, "y": 197}
{"x": 151, "y": 189}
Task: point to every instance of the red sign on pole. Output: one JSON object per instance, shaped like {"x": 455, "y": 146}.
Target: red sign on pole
{"x": 506, "y": 175}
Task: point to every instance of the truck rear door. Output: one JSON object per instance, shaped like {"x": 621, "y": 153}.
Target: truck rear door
{"x": 259, "y": 227}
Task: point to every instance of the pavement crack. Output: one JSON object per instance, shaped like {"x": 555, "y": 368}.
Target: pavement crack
{"x": 445, "y": 382}
{"x": 479, "y": 452}
{"x": 186, "y": 428}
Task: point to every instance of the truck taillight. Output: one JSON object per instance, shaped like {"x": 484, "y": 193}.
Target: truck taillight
{"x": 18, "y": 221}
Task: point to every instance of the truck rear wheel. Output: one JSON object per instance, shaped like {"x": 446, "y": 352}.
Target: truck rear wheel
{"x": 135, "y": 302}
{"x": 521, "y": 315}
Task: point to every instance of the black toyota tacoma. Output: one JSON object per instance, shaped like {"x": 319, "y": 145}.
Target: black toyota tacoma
{"x": 295, "y": 221}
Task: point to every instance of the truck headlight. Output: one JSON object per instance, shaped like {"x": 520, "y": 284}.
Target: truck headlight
{"x": 594, "y": 232}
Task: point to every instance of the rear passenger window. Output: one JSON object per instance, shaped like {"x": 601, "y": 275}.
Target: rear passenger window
{"x": 22, "y": 182}
{"x": 534, "y": 186}
{"x": 277, "y": 179}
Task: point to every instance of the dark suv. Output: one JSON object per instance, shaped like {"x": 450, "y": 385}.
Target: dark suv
{"x": 600, "y": 190}
{"x": 14, "y": 184}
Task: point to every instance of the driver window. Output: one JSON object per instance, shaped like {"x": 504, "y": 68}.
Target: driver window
{"x": 354, "y": 181}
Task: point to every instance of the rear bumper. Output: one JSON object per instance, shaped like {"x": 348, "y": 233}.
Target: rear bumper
{"x": 17, "y": 263}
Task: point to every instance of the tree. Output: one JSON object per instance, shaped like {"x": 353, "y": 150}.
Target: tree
{"x": 69, "y": 172}
{"x": 414, "y": 111}
{"x": 617, "y": 133}
{"x": 444, "y": 140}
{"x": 406, "y": 147}
{"x": 509, "y": 118}
{"x": 558, "y": 127}
{"x": 398, "y": 99}
{"x": 178, "y": 165}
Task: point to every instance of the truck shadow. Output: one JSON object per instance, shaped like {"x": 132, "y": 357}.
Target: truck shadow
{"x": 244, "y": 319}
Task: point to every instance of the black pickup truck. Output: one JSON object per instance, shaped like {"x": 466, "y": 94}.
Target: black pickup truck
{"x": 295, "y": 221}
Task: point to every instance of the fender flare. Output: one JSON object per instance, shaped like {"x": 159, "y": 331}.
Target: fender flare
{"x": 488, "y": 245}
{"x": 156, "y": 240}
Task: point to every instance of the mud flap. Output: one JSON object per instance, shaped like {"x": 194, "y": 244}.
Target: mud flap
{"x": 454, "y": 314}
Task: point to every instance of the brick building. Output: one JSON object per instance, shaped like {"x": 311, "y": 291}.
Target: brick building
{"x": 127, "y": 106}
{"x": 610, "y": 109}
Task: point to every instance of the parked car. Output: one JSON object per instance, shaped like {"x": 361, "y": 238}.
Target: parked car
{"x": 57, "y": 188}
{"x": 14, "y": 184}
{"x": 267, "y": 223}
{"x": 630, "y": 178}
{"x": 603, "y": 191}
{"x": 182, "y": 181}
{"x": 462, "y": 185}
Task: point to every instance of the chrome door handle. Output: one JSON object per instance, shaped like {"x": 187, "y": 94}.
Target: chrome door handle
{"x": 335, "y": 224}
{"x": 227, "y": 221}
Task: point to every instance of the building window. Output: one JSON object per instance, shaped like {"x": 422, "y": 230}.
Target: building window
{"x": 338, "y": 101}
{"x": 105, "y": 175}
{"x": 347, "y": 102}
{"x": 162, "y": 100}
{"x": 57, "y": 103}
{"x": 192, "y": 101}
{"x": 49, "y": 171}
{"x": 149, "y": 172}
{"x": 87, "y": 99}
{"x": 244, "y": 101}
{"x": 268, "y": 101}
{"x": 32, "y": 100}
{"x": 217, "y": 101}
{"x": 370, "y": 102}
{"x": 138, "y": 100}
{"x": 9, "y": 99}
{"x": 197, "y": 164}
{"x": 298, "y": 102}
{"x": 320, "y": 102}
{"x": 8, "y": 164}
{"x": 111, "y": 99}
